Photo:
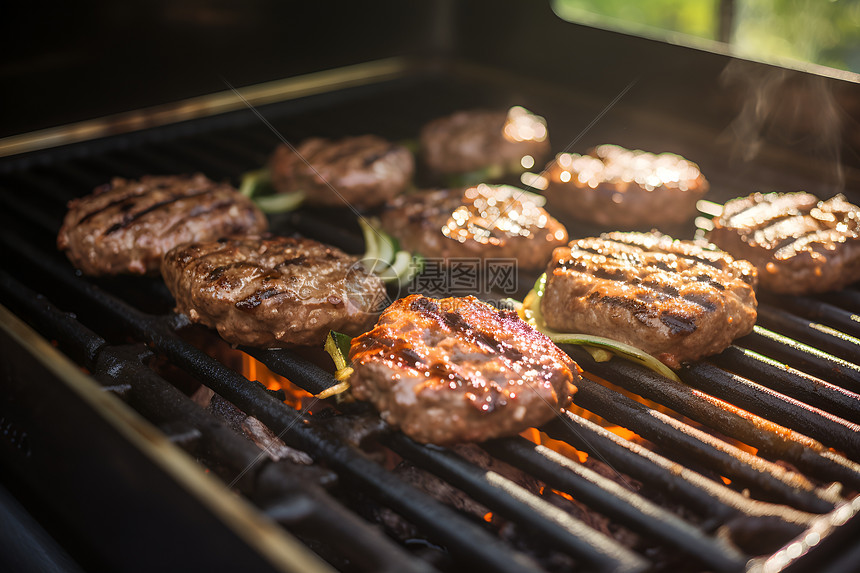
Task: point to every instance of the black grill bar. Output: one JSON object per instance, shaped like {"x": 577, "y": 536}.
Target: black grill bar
{"x": 55, "y": 196}
{"x": 23, "y": 212}
{"x": 818, "y": 335}
{"x": 616, "y": 502}
{"x": 682, "y": 439}
{"x": 284, "y": 485}
{"x": 804, "y": 357}
{"x": 467, "y": 541}
{"x": 498, "y": 494}
{"x": 774, "y": 395}
{"x": 533, "y": 514}
{"x": 791, "y": 382}
{"x": 789, "y": 412}
{"x": 750, "y": 429}
{"x": 161, "y": 161}
{"x": 229, "y": 144}
{"x": 112, "y": 163}
{"x": 713, "y": 499}
{"x": 847, "y": 299}
{"x": 217, "y": 169}
{"x": 813, "y": 309}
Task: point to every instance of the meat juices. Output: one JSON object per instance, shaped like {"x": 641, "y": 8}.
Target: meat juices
{"x": 363, "y": 171}
{"x": 127, "y": 226}
{"x": 458, "y": 370}
{"x": 484, "y": 221}
{"x": 471, "y": 140}
{"x": 799, "y": 244}
{"x": 676, "y": 300}
{"x": 272, "y": 292}
{"x": 617, "y": 187}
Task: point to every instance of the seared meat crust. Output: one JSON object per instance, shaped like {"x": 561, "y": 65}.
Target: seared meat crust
{"x": 618, "y": 187}
{"x": 476, "y": 139}
{"x": 799, "y": 244}
{"x": 365, "y": 171}
{"x": 673, "y": 299}
{"x": 457, "y": 370}
{"x": 127, "y": 226}
{"x": 484, "y": 221}
{"x": 272, "y": 292}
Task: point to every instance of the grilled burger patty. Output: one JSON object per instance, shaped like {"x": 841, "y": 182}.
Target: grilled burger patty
{"x": 456, "y": 369}
{"x": 127, "y": 226}
{"x": 798, "y": 243}
{"x": 676, "y": 300}
{"x": 363, "y": 171}
{"x": 272, "y": 292}
{"x": 483, "y": 221}
{"x": 618, "y": 187}
{"x": 472, "y": 140}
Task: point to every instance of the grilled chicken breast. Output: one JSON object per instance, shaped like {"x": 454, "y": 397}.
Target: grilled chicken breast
{"x": 485, "y": 221}
{"x": 458, "y": 370}
{"x": 798, "y": 244}
{"x": 363, "y": 171}
{"x": 127, "y": 226}
{"x": 621, "y": 188}
{"x": 272, "y": 292}
{"x": 676, "y": 300}
{"x": 477, "y": 139}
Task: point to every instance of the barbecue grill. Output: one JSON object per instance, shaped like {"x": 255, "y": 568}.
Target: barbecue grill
{"x": 126, "y": 431}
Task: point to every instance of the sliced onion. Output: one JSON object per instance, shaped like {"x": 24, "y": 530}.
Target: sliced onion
{"x": 280, "y": 202}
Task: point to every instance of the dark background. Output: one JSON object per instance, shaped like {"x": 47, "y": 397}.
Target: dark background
{"x": 65, "y": 62}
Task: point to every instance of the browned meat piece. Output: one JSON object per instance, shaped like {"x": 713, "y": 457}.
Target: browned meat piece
{"x": 618, "y": 187}
{"x": 272, "y": 292}
{"x": 363, "y": 171}
{"x": 458, "y": 370}
{"x": 798, "y": 244}
{"x": 484, "y": 221}
{"x": 677, "y": 300}
{"x": 127, "y": 226}
{"x": 478, "y": 139}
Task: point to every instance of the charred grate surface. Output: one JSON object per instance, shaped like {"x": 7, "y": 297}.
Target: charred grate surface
{"x": 788, "y": 392}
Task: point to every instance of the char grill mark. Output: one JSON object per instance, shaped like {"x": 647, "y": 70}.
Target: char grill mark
{"x": 299, "y": 260}
{"x": 627, "y": 256}
{"x": 458, "y": 326}
{"x": 219, "y": 271}
{"x": 200, "y": 211}
{"x": 253, "y": 301}
{"x": 124, "y": 202}
{"x": 271, "y": 292}
{"x": 649, "y": 291}
{"x": 457, "y": 369}
{"x": 799, "y": 244}
{"x": 371, "y": 159}
{"x": 663, "y": 291}
{"x": 131, "y": 218}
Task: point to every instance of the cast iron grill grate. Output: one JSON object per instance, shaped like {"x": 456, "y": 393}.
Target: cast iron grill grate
{"x": 788, "y": 391}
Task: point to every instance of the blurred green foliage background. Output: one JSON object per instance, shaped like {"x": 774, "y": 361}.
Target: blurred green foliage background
{"x": 825, "y": 32}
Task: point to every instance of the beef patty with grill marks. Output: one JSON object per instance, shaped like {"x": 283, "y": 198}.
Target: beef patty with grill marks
{"x": 799, "y": 244}
{"x": 457, "y": 370}
{"x": 272, "y": 292}
{"x": 363, "y": 171}
{"x": 479, "y": 139}
{"x": 485, "y": 221}
{"x": 677, "y": 300}
{"x": 622, "y": 188}
{"x": 127, "y": 226}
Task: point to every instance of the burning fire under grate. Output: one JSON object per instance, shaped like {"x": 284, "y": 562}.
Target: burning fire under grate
{"x": 750, "y": 464}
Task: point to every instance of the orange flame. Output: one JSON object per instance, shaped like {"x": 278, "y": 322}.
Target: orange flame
{"x": 256, "y": 370}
